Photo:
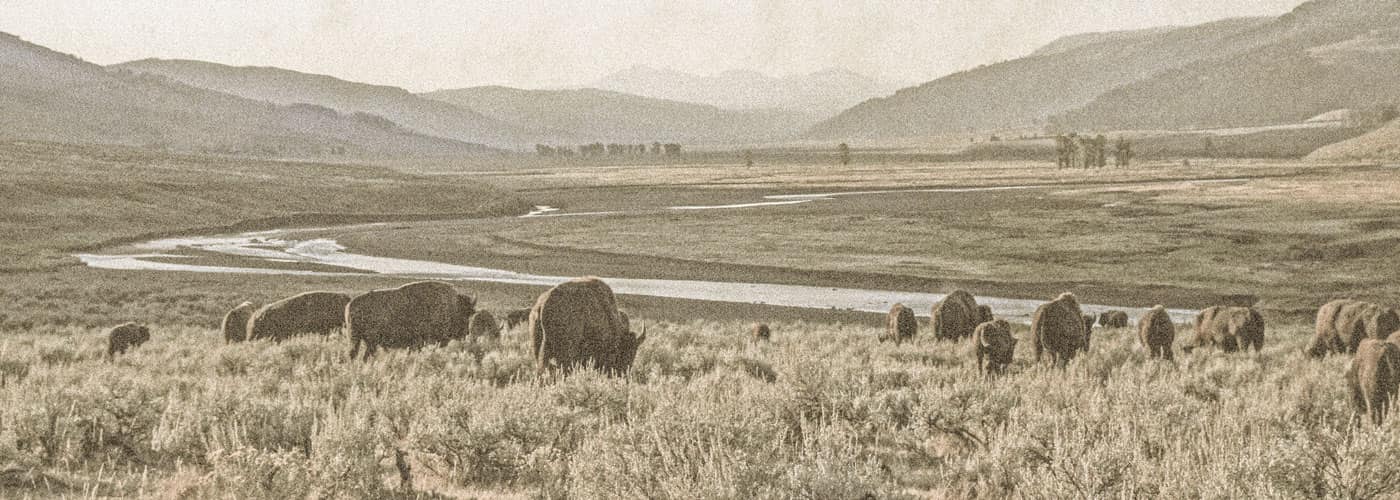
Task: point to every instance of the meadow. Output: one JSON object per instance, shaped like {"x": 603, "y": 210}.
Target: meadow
{"x": 823, "y": 411}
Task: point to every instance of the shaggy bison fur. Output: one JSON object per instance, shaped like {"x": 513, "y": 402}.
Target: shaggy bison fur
{"x": 1058, "y": 328}
{"x": 126, "y": 336}
{"x": 1157, "y": 333}
{"x": 901, "y": 325}
{"x": 577, "y": 324}
{"x": 1373, "y": 377}
{"x": 408, "y": 317}
{"x": 235, "y": 324}
{"x": 995, "y": 346}
{"x": 1230, "y": 328}
{"x": 310, "y": 312}
{"x": 517, "y": 317}
{"x": 761, "y": 332}
{"x": 484, "y": 325}
{"x": 1343, "y": 324}
{"x": 956, "y": 316}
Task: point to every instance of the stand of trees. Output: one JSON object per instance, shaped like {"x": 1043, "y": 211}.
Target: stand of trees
{"x": 1081, "y": 151}
{"x": 600, "y": 149}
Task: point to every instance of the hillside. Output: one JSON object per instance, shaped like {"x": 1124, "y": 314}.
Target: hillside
{"x": 282, "y": 86}
{"x": 598, "y": 115}
{"x": 1025, "y": 91}
{"x": 1326, "y": 55}
{"x": 56, "y": 97}
{"x": 1072, "y": 42}
{"x": 818, "y": 94}
{"x": 1382, "y": 144}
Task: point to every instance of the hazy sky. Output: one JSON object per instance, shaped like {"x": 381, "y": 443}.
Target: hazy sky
{"x": 425, "y": 45}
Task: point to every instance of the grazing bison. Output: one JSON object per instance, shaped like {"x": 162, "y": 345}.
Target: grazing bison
{"x": 577, "y": 323}
{"x": 995, "y": 346}
{"x": 1113, "y": 319}
{"x": 1156, "y": 332}
{"x": 1231, "y": 328}
{"x": 761, "y": 332}
{"x": 1373, "y": 376}
{"x": 408, "y": 317}
{"x": 483, "y": 324}
{"x": 1058, "y": 327}
{"x": 1342, "y": 324}
{"x": 517, "y": 317}
{"x": 126, "y": 336}
{"x": 901, "y": 325}
{"x": 235, "y": 324}
{"x": 310, "y": 312}
{"x": 956, "y": 316}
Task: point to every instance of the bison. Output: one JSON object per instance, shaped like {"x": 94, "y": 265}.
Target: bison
{"x": 901, "y": 325}
{"x": 995, "y": 346}
{"x": 1231, "y": 328}
{"x": 1157, "y": 333}
{"x": 483, "y": 324}
{"x": 1113, "y": 319}
{"x": 235, "y": 323}
{"x": 517, "y": 317}
{"x": 956, "y": 316}
{"x": 310, "y": 312}
{"x": 1058, "y": 327}
{"x": 1342, "y": 324}
{"x": 1372, "y": 377}
{"x": 761, "y": 332}
{"x": 126, "y": 336}
{"x": 408, "y": 317}
{"x": 577, "y": 323}
{"x": 984, "y": 313}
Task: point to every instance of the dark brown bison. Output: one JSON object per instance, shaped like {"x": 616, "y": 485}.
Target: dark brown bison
{"x": 408, "y": 317}
{"x": 577, "y": 323}
{"x": 1157, "y": 332}
{"x": 1058, "y": 327}
{"x": 1113, "y": 319}
{"x": 761, "y": 332}
{"x": 310, "y": 312}
{"x": 483, "y": 324}
{"x": 1373, "y": 376}
{"x": 984, "y": 313}
{"x": 901, "y": 325}
{"x": 235, "y": 324}
{"x": 516, "y": 317}
{"x": 956, "y": 316}
{"x": 126, "y": 336}
{"x": 995, "y": 346}
{"x": 1342, "y": 324}
{"x": 1230, "y": 328}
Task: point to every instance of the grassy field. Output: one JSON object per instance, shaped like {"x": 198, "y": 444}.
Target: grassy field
{"x": 824, "y": 411}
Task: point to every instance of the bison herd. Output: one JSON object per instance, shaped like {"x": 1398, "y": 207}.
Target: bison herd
{"x": 578, "y": 324}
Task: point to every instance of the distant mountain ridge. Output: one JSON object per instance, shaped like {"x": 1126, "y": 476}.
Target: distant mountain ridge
{"x": 57, "y": 97}
{"x": 281, "y": 86}
{"x": 818, "y": 94}
{"x": 587, "y": 115}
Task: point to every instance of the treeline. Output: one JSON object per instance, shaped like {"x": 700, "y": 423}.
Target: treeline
{"x": 600, "y": 149}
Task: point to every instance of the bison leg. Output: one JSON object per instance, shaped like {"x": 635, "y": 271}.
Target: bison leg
{"x": 354, "y": 349}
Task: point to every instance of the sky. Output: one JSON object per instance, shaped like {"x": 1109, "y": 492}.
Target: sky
{"x": 429, "y": 45}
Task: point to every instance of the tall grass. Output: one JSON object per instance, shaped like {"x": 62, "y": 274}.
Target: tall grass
{"x": 823, "y": 411}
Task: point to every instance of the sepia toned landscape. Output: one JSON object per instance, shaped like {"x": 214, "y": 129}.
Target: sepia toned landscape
{"x": 1159, "y": 259}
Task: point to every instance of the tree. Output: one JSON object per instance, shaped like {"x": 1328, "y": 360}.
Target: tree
{"x": 748, "y": 158}
{"x": 1209, "y": 147}
{"x": 1123, "y": 153}
{"x": 656, "y": 148}
{"x": 1389, "y": 113}
{"x": 673, "y": 149}
{"x": 843, "y": 153}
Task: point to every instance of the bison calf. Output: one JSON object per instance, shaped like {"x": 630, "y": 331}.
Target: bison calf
{"x": 1113, "y": 319}
{"x": 483, "y": 325}
{"x": 1230, "y": 328}
{"x": 995, "y": 346}
{"x": 901, "y": 325}
{"x": 761, "y": 332}
{"x": 126, "y": 336}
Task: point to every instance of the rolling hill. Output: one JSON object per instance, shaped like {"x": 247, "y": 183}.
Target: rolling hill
{"x": 282, "y": 86}
{"x": 587, "y": 115}
{"x": 50, "y": 96}
{"x": 819, "y": 95}
{"x": 1382, "y": 144}
{"x": 1024, "y": 91}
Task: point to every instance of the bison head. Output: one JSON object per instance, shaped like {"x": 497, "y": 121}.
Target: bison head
{"x": 627, "y": 350}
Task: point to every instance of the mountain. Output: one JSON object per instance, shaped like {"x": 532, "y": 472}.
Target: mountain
{"x": 1323, "y": 56}
{"x": 282, "y": 86}
{"x": 817, "y": 94}
{"x": 1072, "y": 42}
{"x": 50, "y": 96}
{"x": 589, "y": 115}
{"x": 1066, "y": 74}
{"x": 1382, "y": 144}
